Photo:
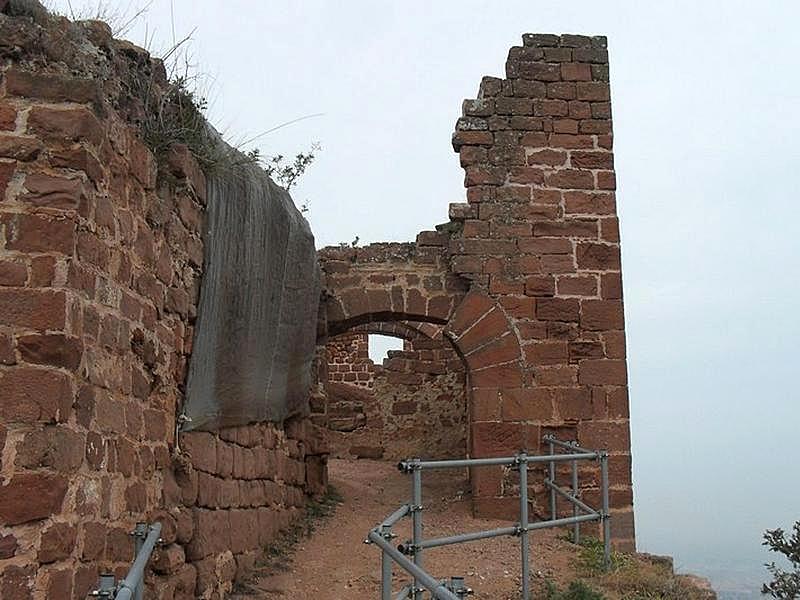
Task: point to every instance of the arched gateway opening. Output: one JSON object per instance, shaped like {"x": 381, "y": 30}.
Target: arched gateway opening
{"x": 464, "y": 359}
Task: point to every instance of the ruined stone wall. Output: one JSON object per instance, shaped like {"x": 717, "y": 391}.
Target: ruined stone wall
{"x": 414, "y": 404}
{"x": 101, "y": 255}
{"x": 349, "y": 362}
{"x": 537, "y": 245}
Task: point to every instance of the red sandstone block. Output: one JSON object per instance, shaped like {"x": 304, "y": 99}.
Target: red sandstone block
{"x": 202, "y": 449}
{"x": 603, "y": 372}
{"x": 19, "y": 147}
{"x": 614, "y": 342}
{"x": 611, "y": 286}
{"x": 576, "y": 72}
{"x": 583, "y": 285}
{"x": 13, "y": 273}
{"x": 611, "y": 436}
{"x": 598, "y": 257}
{"x": 497, "y": 439}
{"x": 592, "y": 160}
{"x": 78, "y": 158}
{"x": 596, "y": 126}
{"x": 522, "y": 404}
{"x": 570, "y": 179}
{"x": 557, "y": 309}
{"x": 546, "y": 353}
{"x": 540, "y": 285}
{"x": 504, "y": 349}
{"x": 593, "y": 91}
{"x": 472, "y": 138}
{"x": 599, "y": 315}
{"x": 487, "y": 328}
{"x": 570, "y": 142}
{"x": 617, "y": 403}
{"x": 558, "y": 55}
{"x": 566, "y": 229}
{"x": 565, "y": 126}
{"x": 31, "y": 497}
{"x": 34, "y": 395}
{"x": 51, "y": 349}
{"x": 580, "y": 110}
{"x": 542, "y": 245}
{"x": 609, "y": 230}
{"x": 574, "y": 403}
{"x": 496, "y": 376}
{"x": 601, "y": 110}
{"x": 518, "y": 306}
{"x": 539, "y": 71}
{"x": 74, "y": 124}
{"x": 212, "y": 533}
{"x": 589, "y": 203}
{"x": 553, "y": 158}
{"x": 558, "y": 263}
{"x": 39, "y": 233}
{"x": 8, "y": 116}
{"x": 606, "y": 180}
{"x": 53, "y": 191}
{"x": 56, "y": 88}
{"x": 551, "y": 107}
{"x": 58, "y": 543}
{"x": 7, "y": 170}
{"x": 591, "y": 55}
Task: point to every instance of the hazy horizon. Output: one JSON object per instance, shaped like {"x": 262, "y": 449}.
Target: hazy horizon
{"x": 704, "y": 100}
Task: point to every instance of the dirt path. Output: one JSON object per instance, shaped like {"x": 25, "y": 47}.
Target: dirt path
{"x": 335, "y": 564}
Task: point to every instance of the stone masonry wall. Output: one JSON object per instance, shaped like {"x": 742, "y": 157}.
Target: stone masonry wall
{"x": 532, "y": 265}
{"x": 414, "y": 405}
{"x": 541, "y": 235}
{"x": 349, "y": 362}
{"x": 100, "y": 265}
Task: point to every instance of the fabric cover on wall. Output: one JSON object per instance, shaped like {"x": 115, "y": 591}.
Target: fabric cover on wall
{"x": 257, "y": 316}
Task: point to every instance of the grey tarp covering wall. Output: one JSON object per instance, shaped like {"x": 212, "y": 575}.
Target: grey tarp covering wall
{"x": 257, "y": 317}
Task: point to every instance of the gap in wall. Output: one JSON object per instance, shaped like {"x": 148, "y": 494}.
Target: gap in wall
{"x": 380, "y": 345}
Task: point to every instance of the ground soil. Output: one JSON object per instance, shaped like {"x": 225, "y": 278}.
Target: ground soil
{"x": 335, "y": 563}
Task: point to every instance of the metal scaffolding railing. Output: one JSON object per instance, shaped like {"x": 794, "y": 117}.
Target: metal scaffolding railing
{"x": 132, "y": 587}
{"x": 454, "y": 588}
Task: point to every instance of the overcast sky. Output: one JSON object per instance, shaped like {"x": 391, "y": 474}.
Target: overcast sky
{"x": 705, "y": 97}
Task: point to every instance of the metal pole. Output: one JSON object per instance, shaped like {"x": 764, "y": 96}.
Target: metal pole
{"x": 576, "y": 529}
{"x": 523, "y": 525}
{"x": 136, "y": 574}
{"x": 403, "y": 593}
{"x": 460, "y": 538}
{"x": 395, "y": 517}
{"x": 386, "y": 566}
{"x": 139, "y": 534}
{"x": 553, "y": 508}
{"x": 605, "y": 510}
{"x": 106, "y": 587}
{"x": 416, "y": 519}
{"x": 572, "y": 499}
{"x": 439, "y": 591}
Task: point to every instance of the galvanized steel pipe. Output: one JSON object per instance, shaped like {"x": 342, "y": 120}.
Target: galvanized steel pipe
{"x": 135, "y": 576}
{"x": 439, "y": 591}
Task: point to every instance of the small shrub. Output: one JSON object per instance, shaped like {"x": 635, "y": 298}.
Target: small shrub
{"x": 591, "y": 559}
{"x": 576, "y": 590}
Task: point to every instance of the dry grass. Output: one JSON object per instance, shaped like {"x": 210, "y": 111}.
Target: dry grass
{"x": 631, "y": 578}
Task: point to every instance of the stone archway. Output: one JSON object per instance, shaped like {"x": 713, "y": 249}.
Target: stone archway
{"x": 382, "y": 287}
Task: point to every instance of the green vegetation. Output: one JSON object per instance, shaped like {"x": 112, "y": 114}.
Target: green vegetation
{"x": 576, "y": 590}
{"x": 630, "y": 578}
{"x": 784, "y": 584}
